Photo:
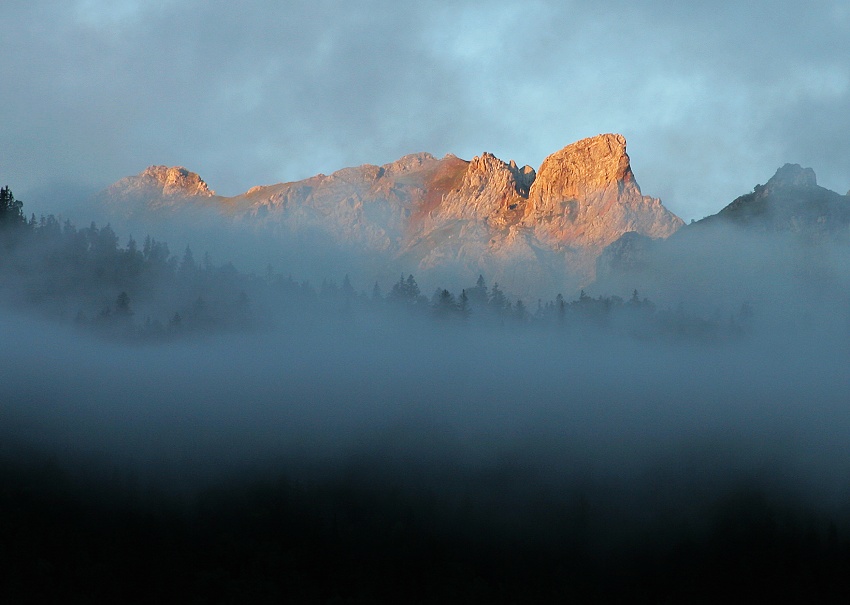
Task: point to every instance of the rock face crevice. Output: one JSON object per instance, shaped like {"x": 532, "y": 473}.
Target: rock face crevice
{"x": 524, "y": 228}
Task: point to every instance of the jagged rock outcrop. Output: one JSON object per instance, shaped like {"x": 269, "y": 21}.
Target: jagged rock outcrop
{"x": 491, "y": 191}
{"x": 165, "y": 181}
{"x": 176, "y": 181}
{"x": 793, "y": 175}
{"x": 528, "y": 230}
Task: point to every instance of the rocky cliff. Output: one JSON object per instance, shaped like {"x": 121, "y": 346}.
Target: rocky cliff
{"x": 586, "y": 196}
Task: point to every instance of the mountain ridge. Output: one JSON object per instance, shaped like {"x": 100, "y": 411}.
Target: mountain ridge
{"x": 451, "y": 217}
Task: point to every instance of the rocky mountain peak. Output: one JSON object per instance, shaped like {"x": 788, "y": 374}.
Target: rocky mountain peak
{"x": 586, "y": 195}
{"x": 791, "y": 202}
{"x": 793, "y": 175}
{"x": 157, "y": 188}
{"x": 486, "y": 162}
{"x": 174, "y": 181}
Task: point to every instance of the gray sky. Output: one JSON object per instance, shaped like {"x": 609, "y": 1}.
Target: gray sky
{"x": 712, "y": 97}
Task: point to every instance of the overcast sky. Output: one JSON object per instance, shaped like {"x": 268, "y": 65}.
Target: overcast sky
{"x": 712, "y": 97}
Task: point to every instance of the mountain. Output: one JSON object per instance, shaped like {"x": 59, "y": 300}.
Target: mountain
{"x": 791, "y": 201}
{"x": 786, "y": 237}
{"x": 535, "y": 232}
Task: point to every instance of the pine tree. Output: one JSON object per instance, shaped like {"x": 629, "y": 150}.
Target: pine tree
{"x": 519, "y": 311}
{"x": 347, "y": 288}
{"x": 406, "y": 291}
{"x": 187, "y": 265}
{"x": 10, "y": 209}
{"x": 478, "y": 293}
{"x": 444, "y": 305}
{"x": 122, "y": 306}
{"x": 498, "y": 302}
{"x": 463, "y": 305}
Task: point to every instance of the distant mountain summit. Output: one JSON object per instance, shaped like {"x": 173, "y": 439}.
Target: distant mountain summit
{"x": 791, "y": 201}
{"x": 532, "y": 231}
{"x": 156, "y": 189}
{"x": 787, "y": 232}
{"x": 793, "y": 175}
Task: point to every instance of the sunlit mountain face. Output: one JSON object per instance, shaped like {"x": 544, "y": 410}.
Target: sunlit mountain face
{"x": 173, "y": 425}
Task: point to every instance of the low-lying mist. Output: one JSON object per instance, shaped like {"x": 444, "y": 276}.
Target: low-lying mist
{"x": 551, "y": 442}
{"x": 341, "y": 444}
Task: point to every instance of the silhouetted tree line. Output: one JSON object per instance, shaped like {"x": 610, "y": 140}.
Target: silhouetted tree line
{"x": 490, "y": 306}
{"x": 145, "y": 291}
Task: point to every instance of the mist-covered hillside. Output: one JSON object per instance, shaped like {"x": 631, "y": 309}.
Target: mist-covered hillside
{"x": 783, "y": 248}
